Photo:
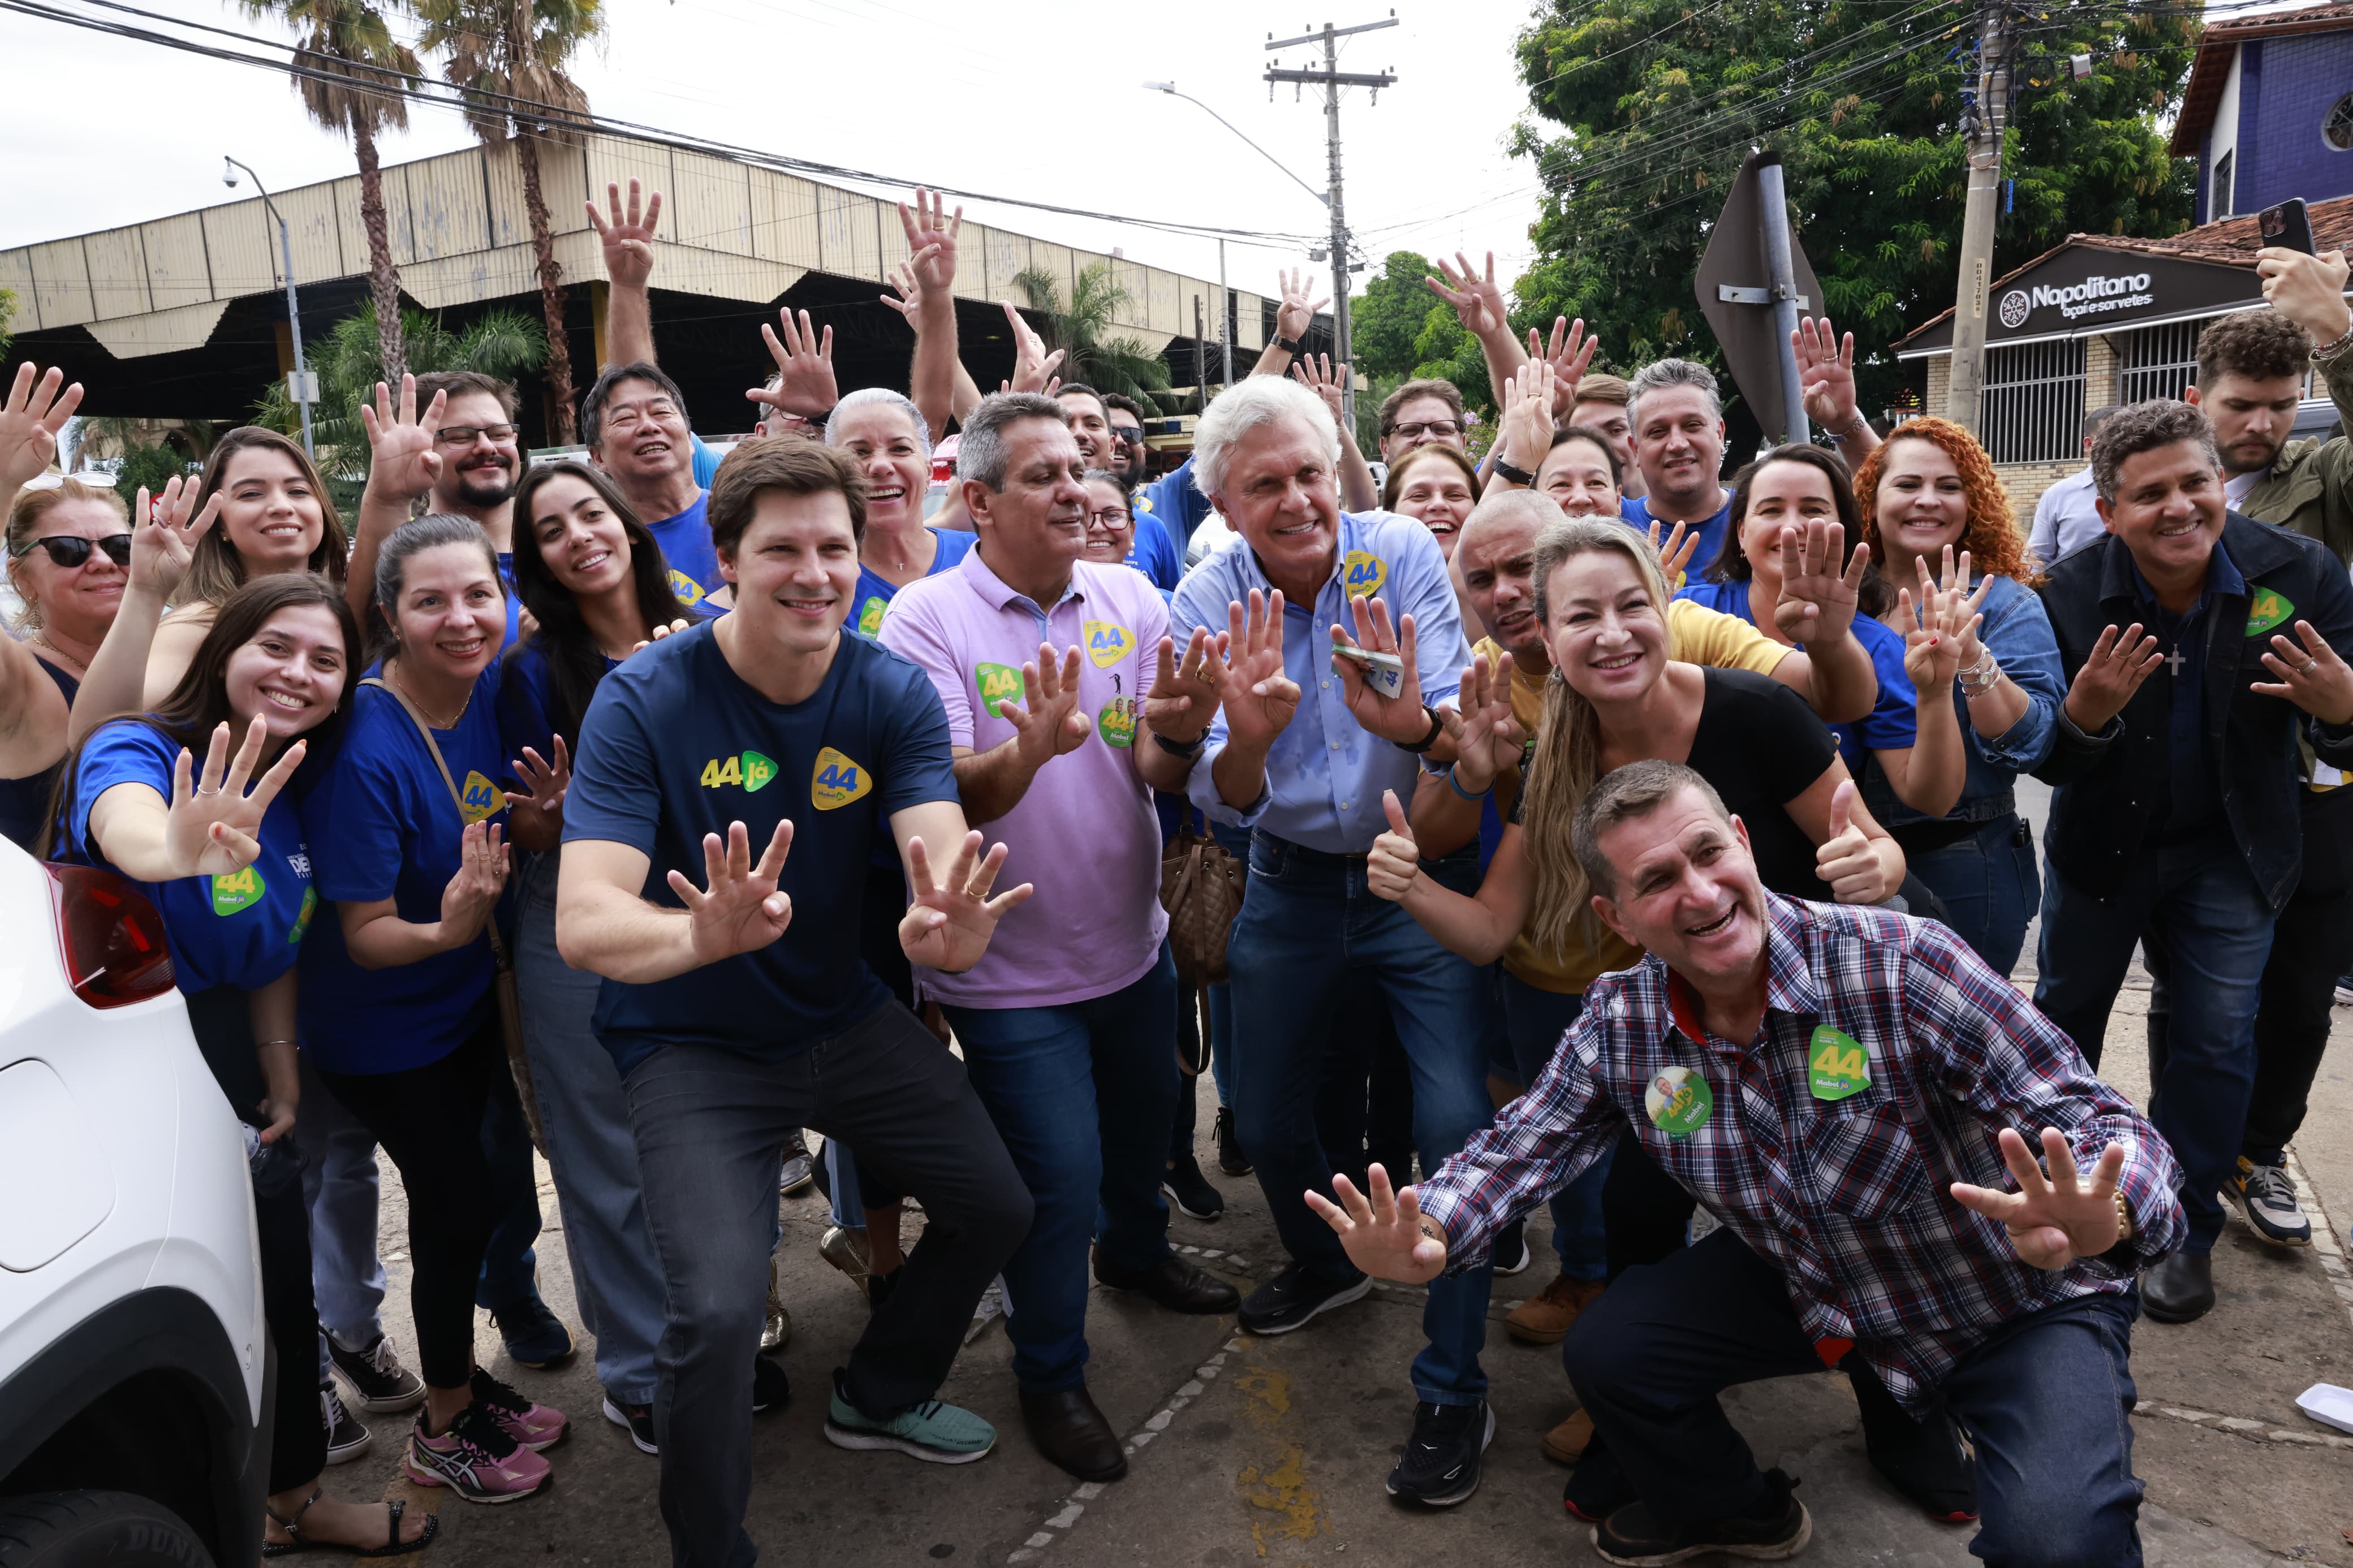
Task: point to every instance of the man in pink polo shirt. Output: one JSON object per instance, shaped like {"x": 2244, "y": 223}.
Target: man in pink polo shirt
{"x": 1043, "y": 662}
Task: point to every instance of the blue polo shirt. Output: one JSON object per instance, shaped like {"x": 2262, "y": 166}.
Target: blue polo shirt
{"x": 2196, "y": 776}
{"x": 1325, "y": 773}
{"x": 676, "y": 745}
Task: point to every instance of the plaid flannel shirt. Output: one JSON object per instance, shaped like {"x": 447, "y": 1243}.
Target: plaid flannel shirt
{"x": 1850, "y": 1198}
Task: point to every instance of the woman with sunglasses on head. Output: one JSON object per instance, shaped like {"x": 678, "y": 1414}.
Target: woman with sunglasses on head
{"x": 218, "y": 849}
{"x": 258, "y": 509}
{"x": 397, "y": 1011}
{"x": 597, "y": 589}
{"x": 1933, "y": 511}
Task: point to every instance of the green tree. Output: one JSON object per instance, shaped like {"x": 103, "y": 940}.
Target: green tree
{"x": 503, "y": 50}
{"x": 1658, "y": 101}
{"x": 1400, "y": 330}
{"x": 361, "y": 70}
{"x": 7, "y": 313}
{"x": 348, "y": 363}
{"x": 1080, "y": 330}
{"x": 148, "y": 468}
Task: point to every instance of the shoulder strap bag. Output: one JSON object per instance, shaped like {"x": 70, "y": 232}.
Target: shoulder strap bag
{"x": 503, "y": 983}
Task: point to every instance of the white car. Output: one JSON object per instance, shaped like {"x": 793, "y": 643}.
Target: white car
{"x": 133, "y": 1360}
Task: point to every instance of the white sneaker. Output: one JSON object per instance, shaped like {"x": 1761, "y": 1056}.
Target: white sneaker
{"x": 2267, "y": 1197}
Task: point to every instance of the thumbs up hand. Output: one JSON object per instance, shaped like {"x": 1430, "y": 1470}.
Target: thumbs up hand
{"x": 1396, "y": 861}
{"x": 1846, "y": 859}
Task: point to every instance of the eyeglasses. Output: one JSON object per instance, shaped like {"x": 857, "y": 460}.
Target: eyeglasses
{"x": 1111, "y": 519}
{"x": 68, "y": 551}
{"x": 1437, "y": 430}
{"x": 466, "y": 435}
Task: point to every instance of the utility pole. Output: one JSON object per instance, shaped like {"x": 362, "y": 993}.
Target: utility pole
{"x": 1225, "y": 319}
{"x": 1964, "y": 402}
{"x": 1332, "y": 79}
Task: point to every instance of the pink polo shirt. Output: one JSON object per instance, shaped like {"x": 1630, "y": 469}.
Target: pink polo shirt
{"x": 1085, "y": 833}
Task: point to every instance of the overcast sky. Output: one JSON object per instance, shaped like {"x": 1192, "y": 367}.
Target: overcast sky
{"x": 104, "y": 132}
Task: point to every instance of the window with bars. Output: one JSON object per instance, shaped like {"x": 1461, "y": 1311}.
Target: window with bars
{"x": 2157, "y": 361}
{"x": 2034, "y": 402}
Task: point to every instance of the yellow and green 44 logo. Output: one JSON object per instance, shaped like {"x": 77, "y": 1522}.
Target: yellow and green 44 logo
{"x": 235, "y": 890}
{"x": 837, "y": 780}
{"x": 996, "y": 683}
{"x": 2267, "y": 609}
{"x": 1836, "y": 1065}
{"x": 479, "y": 799}
{"x": 751, "y": 772}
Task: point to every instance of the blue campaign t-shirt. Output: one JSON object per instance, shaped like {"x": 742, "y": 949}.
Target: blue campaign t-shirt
{"x": 514, "y": 599}
{"x": 875, "y": 593}
{"x": 1893, "y": 721}
{"x": 381, "y": 825}
{"x": 1176, "y": 501}
{"x": 685, "y": 542}
{"x": 1154, "y": 552}
{"x": 1712, "y": 533}
{"x": 241, "y": 928}
{"x": 677, "y": 745}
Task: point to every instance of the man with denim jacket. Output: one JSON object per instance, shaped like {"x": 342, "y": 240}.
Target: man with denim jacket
{"x": 2200, "y": 649}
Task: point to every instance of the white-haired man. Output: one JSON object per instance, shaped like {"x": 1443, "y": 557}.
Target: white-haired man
{"x": 1306, "y": 740}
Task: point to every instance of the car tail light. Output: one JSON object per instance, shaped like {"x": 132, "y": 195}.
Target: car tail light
{"x": 111, "y": 937}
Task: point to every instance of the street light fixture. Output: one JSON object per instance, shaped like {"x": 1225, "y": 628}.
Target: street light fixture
{"x": 304, "y": 392}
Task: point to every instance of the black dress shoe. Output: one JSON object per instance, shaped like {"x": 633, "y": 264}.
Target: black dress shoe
{"x": 2178, "y": 1288}
{"x": 1069, "y": 1430}
{"x": 1174, "y": 1283}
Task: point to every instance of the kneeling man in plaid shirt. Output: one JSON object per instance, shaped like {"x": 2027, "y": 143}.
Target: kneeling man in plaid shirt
{"x": 1842, "y": 1089}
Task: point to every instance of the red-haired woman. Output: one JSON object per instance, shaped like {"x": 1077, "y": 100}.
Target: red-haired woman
{"x": 1932, "y": 509}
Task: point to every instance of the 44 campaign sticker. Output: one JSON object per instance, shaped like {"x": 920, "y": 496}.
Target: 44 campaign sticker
{"x": 1837, "y": 1065}
{"x": 1679, "y": 1101}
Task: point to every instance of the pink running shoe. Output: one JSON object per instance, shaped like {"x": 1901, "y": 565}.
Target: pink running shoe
{"x": 476, "y": 1460}
{"x": 537, "y": 1426}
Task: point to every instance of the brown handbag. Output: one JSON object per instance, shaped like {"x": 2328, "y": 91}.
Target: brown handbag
{"x": 502, "y": 984}
{"x": 1201, "y": 886}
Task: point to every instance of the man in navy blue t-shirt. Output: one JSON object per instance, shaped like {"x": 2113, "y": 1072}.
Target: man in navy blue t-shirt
{"x": 735, "y": 1002}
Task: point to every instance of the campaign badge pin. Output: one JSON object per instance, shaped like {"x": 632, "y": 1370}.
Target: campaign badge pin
{"x": 1107, "y": 642}
{"x": 1679, "y": 1101}
{"x": 997, "y": 683}
{"x": 1362, "y": 572}
{"x": 1116, "y": 722}
{"x": 2268, "y": 608}
{"x": 869, "y": 615}
{"x": 1836, "y": 1065}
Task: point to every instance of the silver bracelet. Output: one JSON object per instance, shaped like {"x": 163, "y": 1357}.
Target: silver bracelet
{"x": 1981, "y": 677}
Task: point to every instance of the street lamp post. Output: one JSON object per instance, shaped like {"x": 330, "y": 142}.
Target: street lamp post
{"x": 1324, "y": 197}
{"x": 302, "y": 390}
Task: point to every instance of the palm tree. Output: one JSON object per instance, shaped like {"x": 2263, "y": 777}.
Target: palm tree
{"x": 348, "y": 363}
{"x": 1108, "y": 364}
{"x": 350, "y": 42}
{"x": 502, "y": 50}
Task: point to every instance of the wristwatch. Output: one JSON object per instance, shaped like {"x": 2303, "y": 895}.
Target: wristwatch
{"x": 1187, "y": 750}
{"x": 1288, "y": 346}
{"x": 1436, "y": 728}
{"x": 1521, "y": 477}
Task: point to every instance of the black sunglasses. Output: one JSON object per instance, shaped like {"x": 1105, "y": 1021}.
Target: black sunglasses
{"x": 68, "y": 551}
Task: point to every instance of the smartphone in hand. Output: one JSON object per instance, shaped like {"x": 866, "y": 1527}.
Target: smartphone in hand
{"x": 2287, "y": 226}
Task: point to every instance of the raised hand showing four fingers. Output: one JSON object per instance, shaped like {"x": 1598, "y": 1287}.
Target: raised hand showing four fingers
{"x": 545, "y": 781}
{"x": 214, "y": 826}
{"x": 948, "y": 925}
{"x": 628, "y": 235}
{"x": 2112, "y": 672}
{"x": 804, "y": 383}
{"x": 2311, "y": 676}
{"x": 163, "y": 535}
{"x": 1183, "y": 699}
{"x": 932, "y": 240}
{"x": 2052, "y": 1220}
{"x": 1388, "y": 1236}
{"x": 1051, "y": 724}
{"x": 404, "y": 447}
{"x": 1297, "y": 311}
{"x": 1817, "y": 600}
{"x": 1258, "y": 696}
{"x": 741, "y": 908}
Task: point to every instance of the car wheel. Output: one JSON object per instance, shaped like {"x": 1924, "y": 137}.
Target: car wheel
{"x": 83, "y": 1530}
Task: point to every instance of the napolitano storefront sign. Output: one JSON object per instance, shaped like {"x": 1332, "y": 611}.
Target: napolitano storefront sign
{"x": 2079, "y": 290}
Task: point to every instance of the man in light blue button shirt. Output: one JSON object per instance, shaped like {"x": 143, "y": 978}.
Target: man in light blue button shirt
{"x": 1303, "y": 756}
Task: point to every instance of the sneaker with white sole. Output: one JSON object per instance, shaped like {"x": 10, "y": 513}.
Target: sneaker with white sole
{"x": 347, "y": 1436}
{"x": 476, "y": 1460}
{"x": 637, "y": 1420}
{"x": 538, "y": 1427}
{"x": 1294, "y": 1295}
{"x": 1440, "y": 1465}
{"x": 936, "y": 1433}
{"x": 2267, "y": 1195}
{"x": 379, "y": 1383}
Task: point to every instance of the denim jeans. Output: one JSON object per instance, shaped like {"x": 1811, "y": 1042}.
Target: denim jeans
{"x": 2047, "y": 1399}
{"x": 615, "y": 1277}
{"x": 709, "y": 1127}
{"x": 1310, "y": 933}
{"x": 1536, "y": 1020}
{"x": 1989, "y": 886}
{"x": 1079, "y": 1093}
{"x": 2203, "y": 905}
{"x": 339, "y": 1188}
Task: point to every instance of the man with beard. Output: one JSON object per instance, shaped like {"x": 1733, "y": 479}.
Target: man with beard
{"x": 464, "y": 460}
{"x": 2251, "y": 370}
{"x": 1126, "y": 416}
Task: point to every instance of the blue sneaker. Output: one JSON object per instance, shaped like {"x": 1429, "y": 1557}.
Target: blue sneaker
{"x": 936, "y": 1433}
{"x": 536, "y": 1337}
